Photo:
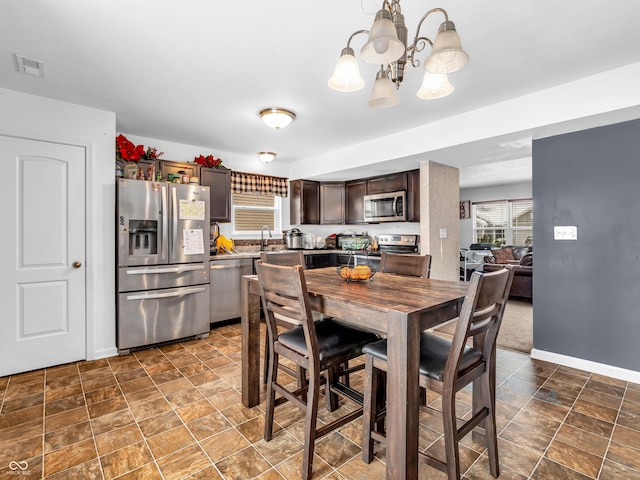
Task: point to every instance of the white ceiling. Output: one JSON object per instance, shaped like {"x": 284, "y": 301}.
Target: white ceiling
{"x": 198, "y": 71}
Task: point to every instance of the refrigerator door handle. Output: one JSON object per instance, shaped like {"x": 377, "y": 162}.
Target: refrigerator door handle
{"x": 175, "y": 269}
{"x": 174, "y": 219}
{"x": 165, "y": 227}
{"x": 181, "y": 293}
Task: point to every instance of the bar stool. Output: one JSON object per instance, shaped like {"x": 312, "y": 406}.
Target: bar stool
{"x": 322, "y": 346}
{"x": 447, "y": 367}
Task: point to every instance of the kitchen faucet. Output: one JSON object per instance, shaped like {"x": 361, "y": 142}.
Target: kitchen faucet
{"x": 262, "y": 240}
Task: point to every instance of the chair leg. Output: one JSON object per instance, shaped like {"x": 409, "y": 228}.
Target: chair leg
{"x": 311, "y": 421}
{"x": 491, "y": 434}
{"x": 266, "y": 359}
{"x": 271, "y": 395}
{"x": 369, "y": 407}
{"x": 452, "y": 451}
{"x": 301, "y": 377}
{"x": 331, "y": 398}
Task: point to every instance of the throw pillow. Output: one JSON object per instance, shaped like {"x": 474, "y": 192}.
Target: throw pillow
{"x": 503, "y": 255}
{"x": 527, "y": 260}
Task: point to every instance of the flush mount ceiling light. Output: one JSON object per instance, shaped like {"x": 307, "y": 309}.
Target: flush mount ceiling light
{"x": 277, "y": 117}
{"x": 387, "y": 46}
{"x": 266, "y": 157}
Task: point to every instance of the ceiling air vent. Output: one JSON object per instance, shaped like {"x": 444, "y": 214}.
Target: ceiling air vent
{"x": 29, "y": 66}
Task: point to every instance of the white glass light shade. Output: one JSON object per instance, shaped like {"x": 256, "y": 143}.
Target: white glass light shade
{"x": 346, "y": 77}
{"x": 434, "y": 85}
{"x": 383, "y": 46}
{"x": 266, "y": 157}
{"x": 447, "y": 55}
{"x": 277, "y": 117}
{"x": 382, "y": 94}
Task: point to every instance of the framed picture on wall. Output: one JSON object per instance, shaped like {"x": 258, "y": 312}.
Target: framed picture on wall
{"x": 465, "y": 209}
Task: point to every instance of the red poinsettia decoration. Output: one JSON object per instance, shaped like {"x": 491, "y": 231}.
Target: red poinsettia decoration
{"x": 209, "y": 161}
{"x": 126, "y": 151}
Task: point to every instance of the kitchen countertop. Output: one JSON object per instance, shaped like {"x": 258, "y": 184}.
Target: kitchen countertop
{"x": 256, "y": 254}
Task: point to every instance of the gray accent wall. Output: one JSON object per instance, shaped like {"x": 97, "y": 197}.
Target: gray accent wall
{"x": 586, "y": 293}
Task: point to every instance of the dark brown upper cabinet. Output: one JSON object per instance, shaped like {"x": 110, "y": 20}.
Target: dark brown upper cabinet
{"x": 355, "y": 190}
{"x": 169, "y": 166}
{"x": 393, "y": 182}
{"x": 304, "y": 204}
{"x": 219, "y": 182}
{"x": 332, "y": 203}
{"x": 413, "y": 196}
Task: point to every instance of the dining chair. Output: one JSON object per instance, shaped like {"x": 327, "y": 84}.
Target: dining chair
{"x": 447, "y": 366}
{"x": 288, "y": 259}
{"x": 321, "y": 346}
{"x": 404, "y": 264}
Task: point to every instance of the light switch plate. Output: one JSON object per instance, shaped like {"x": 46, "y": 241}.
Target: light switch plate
{"x": 443, "y": 233}
{"x": 567, "y": 232}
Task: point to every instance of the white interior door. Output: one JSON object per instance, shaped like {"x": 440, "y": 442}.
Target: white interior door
{"x": 43, "y": 282}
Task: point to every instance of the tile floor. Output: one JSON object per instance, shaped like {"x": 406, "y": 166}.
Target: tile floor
{"x": 175, "y": 412}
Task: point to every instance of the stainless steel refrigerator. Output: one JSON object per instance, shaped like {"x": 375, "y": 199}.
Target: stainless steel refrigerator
{"x": 163, "y": 262}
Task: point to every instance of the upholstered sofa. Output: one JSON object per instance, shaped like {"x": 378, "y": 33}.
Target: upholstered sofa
{"x": 521, "y": 257}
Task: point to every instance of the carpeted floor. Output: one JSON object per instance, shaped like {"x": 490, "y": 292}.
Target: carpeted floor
{"x": 516, "y": 332}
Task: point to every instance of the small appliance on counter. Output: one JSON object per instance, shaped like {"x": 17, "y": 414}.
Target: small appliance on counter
{"x": 312, "y": 242}
{"x": 292, "y": 239}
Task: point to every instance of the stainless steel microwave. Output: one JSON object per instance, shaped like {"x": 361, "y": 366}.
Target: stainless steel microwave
{"x": 385, "y": 207}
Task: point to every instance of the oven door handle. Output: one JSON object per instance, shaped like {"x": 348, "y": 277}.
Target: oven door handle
{"x": 181, "y": 293}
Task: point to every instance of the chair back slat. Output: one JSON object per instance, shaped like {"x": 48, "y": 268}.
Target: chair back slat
{"x": 480, "y": 317}
{"x": 288, "y": 259}
{"x": 404, "y": 264}
{"x": 284, "y": 292}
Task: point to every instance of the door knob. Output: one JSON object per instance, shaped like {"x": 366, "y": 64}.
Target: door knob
{"x": 76, "y": 264}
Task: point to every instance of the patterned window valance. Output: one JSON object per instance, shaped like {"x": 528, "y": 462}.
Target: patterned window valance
{"x": 242, "y": 182}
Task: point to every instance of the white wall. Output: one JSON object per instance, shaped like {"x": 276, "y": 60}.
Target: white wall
{"x": 29, "y": 116}
{"x": 485, "y": 194}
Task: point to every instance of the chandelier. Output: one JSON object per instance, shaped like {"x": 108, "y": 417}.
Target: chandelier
{"x": 387, "y": 46}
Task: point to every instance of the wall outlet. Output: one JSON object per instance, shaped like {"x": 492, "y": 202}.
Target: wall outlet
{"x": 443, "y": 233}
{"x": 565, "y": 233}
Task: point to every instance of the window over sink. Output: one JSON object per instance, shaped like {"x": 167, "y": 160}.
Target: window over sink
{"x": 250, "y": 211}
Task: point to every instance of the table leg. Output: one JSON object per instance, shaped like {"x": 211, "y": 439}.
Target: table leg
{"x": 403, "y": 350}
{"x": 250, "y": 346}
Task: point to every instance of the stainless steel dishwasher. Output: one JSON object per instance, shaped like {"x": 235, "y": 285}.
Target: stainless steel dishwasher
{"x": 226, "y": 287}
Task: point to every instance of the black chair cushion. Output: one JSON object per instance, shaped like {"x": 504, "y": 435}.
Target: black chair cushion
{"x": 334, "y": 339}
{"x": 433, "y": 354}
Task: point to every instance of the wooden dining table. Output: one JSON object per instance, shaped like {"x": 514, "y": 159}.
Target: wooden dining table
{"x": 397, "y": 307}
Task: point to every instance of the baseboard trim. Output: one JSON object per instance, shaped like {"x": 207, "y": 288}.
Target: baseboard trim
{"x": 588, "y": 365}
{"x": 105, "y": 353}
